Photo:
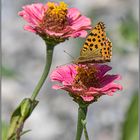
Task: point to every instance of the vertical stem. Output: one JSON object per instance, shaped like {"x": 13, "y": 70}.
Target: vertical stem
{"x": 85, "y": 130}
{"x": 82, "y": 112}
{"x": 49, "y": 54}
{"x": 26, "y": 107}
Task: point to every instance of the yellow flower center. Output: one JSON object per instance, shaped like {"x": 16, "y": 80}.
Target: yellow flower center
{"x": 55, "y": 17}
{"x": 86, "y": 77}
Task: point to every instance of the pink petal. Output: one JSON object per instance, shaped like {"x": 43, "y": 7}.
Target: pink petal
{"x": 29, "y": 28}
{"x": 77, "y": 89}
{"x": 82, "y": 33}
{"x": 110, "y": 87}
{"x": 107, "y": 79}
{"x": 103, "y": 69}
{"x": 63, "y": 74}
{"x": 32, "y": 13}
{"x": 66, "y": 83}
{"x": 57, "y": 87}
{"x": 87, "y": 98}
{"x": 57, "y": 76}
{"x": 81, "y": 23}
{"x": 73, "y": 14}
{"x": 53, "y": 33}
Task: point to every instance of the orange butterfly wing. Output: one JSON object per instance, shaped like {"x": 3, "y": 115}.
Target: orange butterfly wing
{"x": 97, "y": 47}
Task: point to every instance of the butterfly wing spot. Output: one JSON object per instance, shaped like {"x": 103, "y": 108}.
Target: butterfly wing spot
{"x": 96, "y": 46}
{"x": 91, "y": 45}
{"x": 84, "y": 49}
{"x": 91, "y": 34}
{"x": 89, "y": 39}
{"x": 102, "y": 44}
{"x": 102, "y": 25}
{"x": 86, "y": 43}
{"x": 99, "y": 40}
{"x": 93, "y": 39}
{"x": 107, "y": 50}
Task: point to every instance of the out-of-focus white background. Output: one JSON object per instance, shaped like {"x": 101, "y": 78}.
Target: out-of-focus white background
{"x": 23, "y": 58}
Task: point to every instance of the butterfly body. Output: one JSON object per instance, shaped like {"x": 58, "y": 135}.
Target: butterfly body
{"x": 97, "y": 47}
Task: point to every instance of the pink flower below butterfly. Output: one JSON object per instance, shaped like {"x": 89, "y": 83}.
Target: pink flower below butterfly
{"x": 55, "y": 21}
{"x": 86, "y": 82}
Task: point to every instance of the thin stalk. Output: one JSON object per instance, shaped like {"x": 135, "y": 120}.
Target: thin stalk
{"x": 82, "y": 112}
{"x": 85, "y": 130}
{"x": 49, "y": 54}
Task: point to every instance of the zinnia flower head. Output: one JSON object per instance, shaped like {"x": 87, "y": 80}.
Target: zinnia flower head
{"x": 86, "y": 83}
{"x": 55, "y": 22}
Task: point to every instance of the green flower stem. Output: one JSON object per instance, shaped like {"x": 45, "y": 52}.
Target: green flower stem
{"x": 24, "y": 110}
{"x": 49, "y": 52}
{"x": 82, "y": 112}
{"x": 85, "y": 130}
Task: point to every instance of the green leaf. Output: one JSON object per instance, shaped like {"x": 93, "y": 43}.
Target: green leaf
{"x": 4, "y": 131}
{"x": 130, "y": 126}
{"x": 20, "y": 114}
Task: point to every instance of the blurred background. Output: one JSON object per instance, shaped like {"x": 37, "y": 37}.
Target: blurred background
{"x": 55, "y": 117}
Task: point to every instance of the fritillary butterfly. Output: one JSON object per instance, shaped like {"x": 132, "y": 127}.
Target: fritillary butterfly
{"x": 97, "y": 47}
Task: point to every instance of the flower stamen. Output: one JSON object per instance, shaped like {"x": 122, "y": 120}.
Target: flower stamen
{"x": 55, "y": 18}
{"x": 86, "y": 77}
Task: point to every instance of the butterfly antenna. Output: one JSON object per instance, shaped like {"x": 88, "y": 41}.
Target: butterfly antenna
{"x": 69, "y": 54}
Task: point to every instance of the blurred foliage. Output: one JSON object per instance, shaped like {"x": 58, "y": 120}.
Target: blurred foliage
{"x": 7, "y": 72}
{"x": 130, "y": 126}
{"x": 129, "y": 29}
{"x": 4, "y": 130}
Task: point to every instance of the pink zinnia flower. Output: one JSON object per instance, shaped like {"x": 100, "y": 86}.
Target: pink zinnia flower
{"x": 55, "y": 21}
{"x": 86, "y": 83}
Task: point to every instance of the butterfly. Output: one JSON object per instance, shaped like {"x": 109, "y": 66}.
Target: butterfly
{"x": 97, "y": 47}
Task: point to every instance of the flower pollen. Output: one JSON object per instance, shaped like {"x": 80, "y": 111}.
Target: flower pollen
{"x": 55, "y": 17}
{"x": 86, "y": 77}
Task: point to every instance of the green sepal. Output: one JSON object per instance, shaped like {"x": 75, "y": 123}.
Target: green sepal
{"x": 22, "y": 112}
{"x": 81, "y": 102}
{"x": 52, "y": 40}
{"x": 27, "y": 107}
